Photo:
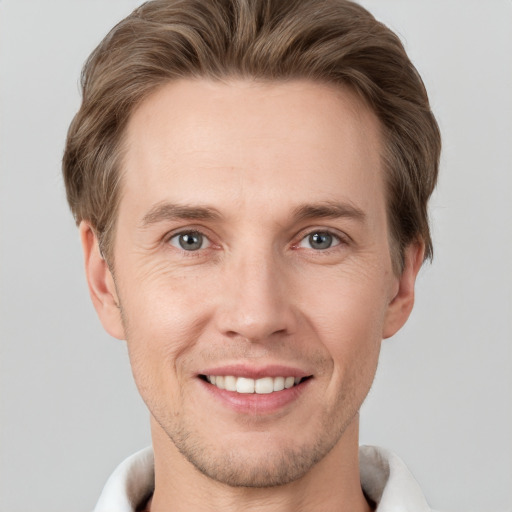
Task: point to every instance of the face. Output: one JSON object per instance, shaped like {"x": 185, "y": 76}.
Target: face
{"x": 252, "y": 271}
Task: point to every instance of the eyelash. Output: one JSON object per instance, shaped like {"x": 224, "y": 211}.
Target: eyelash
{"x": 192, "y": 232}
{"x": 336, "y": 239}
{"x": 341, "y": 240}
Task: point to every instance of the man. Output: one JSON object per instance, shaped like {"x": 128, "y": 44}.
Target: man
{"x": 251, "y": 182}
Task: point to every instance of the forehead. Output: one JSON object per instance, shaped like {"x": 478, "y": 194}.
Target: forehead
{"x": 245, "y": 143}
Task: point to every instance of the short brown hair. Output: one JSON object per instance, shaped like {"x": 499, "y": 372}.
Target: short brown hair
{"x": 330, "y": 41}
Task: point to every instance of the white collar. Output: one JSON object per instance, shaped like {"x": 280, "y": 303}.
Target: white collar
{"x": 387, "y": 481}
{"x": 384, "y": 478}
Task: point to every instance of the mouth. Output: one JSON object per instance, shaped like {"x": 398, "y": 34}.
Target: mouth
{"x": 261, "y": 386}
{"x": 256, "y": 391}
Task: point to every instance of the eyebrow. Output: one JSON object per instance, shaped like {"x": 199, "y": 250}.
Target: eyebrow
{"x": 169, "y": 211}
{"x": 329, "y": 210}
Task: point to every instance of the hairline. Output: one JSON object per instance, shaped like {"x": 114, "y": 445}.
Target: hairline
{"x": 106, "y": 238}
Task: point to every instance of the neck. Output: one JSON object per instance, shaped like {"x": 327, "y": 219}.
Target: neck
{"x": 333, "y": 484}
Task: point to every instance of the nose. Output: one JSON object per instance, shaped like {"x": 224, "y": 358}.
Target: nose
{"x": 256, "y": 299}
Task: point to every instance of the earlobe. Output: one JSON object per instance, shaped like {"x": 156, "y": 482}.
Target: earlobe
{"x": 101, "y": 283}
{"x": 401, "y": 304}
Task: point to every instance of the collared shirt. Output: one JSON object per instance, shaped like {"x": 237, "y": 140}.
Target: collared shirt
{"x": 384, "y": 477}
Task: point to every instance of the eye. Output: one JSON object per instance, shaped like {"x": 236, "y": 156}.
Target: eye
{"x": 320, "y": 240}
{"x": 189, "y": 241}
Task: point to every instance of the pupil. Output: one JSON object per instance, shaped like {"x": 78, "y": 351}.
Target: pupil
{"x": 191, "y": 241}
{"x": 320, "y": 240}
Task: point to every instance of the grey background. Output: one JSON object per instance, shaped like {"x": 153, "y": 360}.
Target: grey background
{"x": 442, "y": 397}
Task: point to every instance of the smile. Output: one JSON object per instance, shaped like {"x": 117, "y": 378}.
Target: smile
{"x": 262, "y": 386}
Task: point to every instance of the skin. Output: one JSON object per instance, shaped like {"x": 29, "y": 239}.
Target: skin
{"x": 257, "y": 292}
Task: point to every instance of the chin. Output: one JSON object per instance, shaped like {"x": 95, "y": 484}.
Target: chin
{"x": 258, "y": 460}
{"x": 267, "y": 469}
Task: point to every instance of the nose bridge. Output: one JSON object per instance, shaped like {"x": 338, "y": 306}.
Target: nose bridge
{"x": 255, "y": 304}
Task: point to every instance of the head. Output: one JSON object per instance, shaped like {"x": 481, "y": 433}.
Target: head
{"x": 334, "y": 42}
{"x": 252, "y": 179}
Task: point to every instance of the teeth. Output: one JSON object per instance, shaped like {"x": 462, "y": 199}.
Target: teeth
{"x": 262, "y": 386}
{"x": 244, "y": 385}
{"x": 218, "y": 381}
{"x": 278, "y": 383}
{"x": 230, "y": 383}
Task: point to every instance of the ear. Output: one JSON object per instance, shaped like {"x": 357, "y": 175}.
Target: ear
{"x": 101, "y": 283}
{"x": 402, "y": 302}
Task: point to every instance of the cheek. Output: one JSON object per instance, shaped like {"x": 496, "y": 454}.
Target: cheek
{"x": 348, "y": 319}
{"x": 348, "y": 305}
{"x": 353, "y": 341}
{"x": 163, "y": 320}
{"x": 160, "y": 301}
{"x": 354, "y": 344}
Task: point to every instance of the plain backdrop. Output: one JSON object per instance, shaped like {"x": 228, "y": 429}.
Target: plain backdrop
{"x": 442, "y": 398}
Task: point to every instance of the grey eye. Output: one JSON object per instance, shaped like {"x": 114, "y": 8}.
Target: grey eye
{"x": 189, "y": 241}
{"x": 319, "y": 240}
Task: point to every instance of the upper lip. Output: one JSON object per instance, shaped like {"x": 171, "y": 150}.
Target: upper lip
{"x": 253, "y": 372}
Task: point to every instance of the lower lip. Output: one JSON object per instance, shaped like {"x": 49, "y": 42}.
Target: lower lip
{"x": 255, "y": 403}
